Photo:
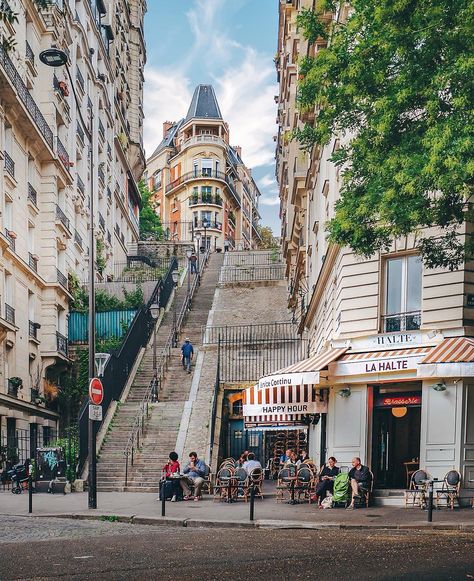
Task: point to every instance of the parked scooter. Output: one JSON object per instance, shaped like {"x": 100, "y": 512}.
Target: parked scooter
{"x": 19, "y": 478}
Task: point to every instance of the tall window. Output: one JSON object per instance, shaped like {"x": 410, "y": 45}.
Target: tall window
{"x": 403, "y": 276}
{"x": 206, "y": 167}
{"x": 206, "y": 194}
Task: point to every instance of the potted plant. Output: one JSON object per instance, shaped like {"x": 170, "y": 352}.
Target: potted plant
{"x": 16, "y": 382}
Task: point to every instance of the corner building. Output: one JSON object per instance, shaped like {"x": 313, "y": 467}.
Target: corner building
{"x": 46, "y": 181}
{"x": 391, "y": 341}
{"x": 201, "y": 187}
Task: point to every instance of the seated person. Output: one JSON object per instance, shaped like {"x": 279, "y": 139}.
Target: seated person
{"x": 326, "y": 479}
{"x": 171, "y": 467}
{"x": 195, "y": 471}
{"x": 285, "y": 457}
{"x": 243, "y": 458}
{"x": 360, "y": 478}
{"x": 303, "y": 457}
{"x": 251, "y": 463}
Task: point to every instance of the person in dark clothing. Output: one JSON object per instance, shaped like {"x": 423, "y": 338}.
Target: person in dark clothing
{"x": 187, "y": 352}
{"x": 193, "y": 262}
{"x": 326, "y": 479}
{"x": 360, "y": 478}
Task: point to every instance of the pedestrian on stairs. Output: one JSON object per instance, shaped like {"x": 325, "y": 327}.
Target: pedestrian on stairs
{"x": 187, "y": 352}
{"x": 193, "y": 262}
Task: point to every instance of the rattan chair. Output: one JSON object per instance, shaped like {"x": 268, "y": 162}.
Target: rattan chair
{"x": 449, "y": 493}
{"x": 242, "y": 483}
{"x": 416, "y": 492}
{"x": 255, "y": 480}
{"x": 284, "y": 481}
{"x": 221, "y": 486}
{"x": 305, "y": 482}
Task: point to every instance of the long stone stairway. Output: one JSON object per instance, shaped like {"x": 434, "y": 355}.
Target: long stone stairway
{"x": 165, "y": 418}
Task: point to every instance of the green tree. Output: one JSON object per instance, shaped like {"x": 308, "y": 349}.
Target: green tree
{"x": 268, "y": 240}
{"x": 150, "y": 223}
{"x": 8, "y": 15}
{"x": 397, "y": 77}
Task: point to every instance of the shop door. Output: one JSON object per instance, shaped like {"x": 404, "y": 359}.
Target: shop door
{"x": 395, "y": 441}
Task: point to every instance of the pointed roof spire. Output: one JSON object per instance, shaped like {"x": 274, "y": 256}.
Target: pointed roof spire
{"x": 204, "y": 104}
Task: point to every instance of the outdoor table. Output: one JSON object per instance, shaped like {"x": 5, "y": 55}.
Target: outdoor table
{"x": 292, "y": 480}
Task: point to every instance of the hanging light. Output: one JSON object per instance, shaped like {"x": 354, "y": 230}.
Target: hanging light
{"x": 399, "y": 412}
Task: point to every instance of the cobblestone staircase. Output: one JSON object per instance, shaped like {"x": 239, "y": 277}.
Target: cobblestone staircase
{"x": 164, "y": 423}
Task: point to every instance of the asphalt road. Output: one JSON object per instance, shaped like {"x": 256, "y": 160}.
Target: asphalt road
{"x": 39, "y": 548}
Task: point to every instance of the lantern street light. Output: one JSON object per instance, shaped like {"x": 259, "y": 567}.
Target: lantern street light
{"x": 54, "y": 57}
{"x": 175, "y": 277}
{"x": 155, "y": 313}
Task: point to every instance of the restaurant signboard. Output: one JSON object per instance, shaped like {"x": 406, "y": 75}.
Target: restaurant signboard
{"x": 398, "y": 400}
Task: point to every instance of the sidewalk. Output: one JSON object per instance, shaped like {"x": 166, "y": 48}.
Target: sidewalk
{"x": 142, "y": 508}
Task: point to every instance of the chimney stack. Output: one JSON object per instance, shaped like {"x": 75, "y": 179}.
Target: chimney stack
{"x": 238, "y": 149}
{"x": 167, "y": 125}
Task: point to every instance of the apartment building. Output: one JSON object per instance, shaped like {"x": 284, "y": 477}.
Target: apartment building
{"x": 66, "y": 133}
{"x": 201, "y": 187}
{"x": 391, "y": 345}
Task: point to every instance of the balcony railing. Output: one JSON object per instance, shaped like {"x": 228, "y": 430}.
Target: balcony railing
{"x": 78, "y": 239}
{"x": 213, "y": 225}
{"x": 62, "y": 153}
{"x": 11, "y": 239}
{"x": 109, "y": 194}
{"x": 410, "y": 321}
{"x": 29, "y": 54}
{"x": 9, "y": 314}
{"x": 61, "y": 278}
{"x": 80, "y": 185}
{"x": 232, "y": 219}
{"x": 109, "y": 151}
{"x": 26, "y": 98}
{"x": 109, "y": 237}
{"x": 61, "y": 343}
{"x": 80, "y": 132}
{"x": 205, "y": 199}
{"x": 12, "y": 389}
{"x": 80, "y": 78}
{"x": 33, "y": 329}
{"x": 61, "y": 216}
{"x": 34, "y": 395}
{"x": 101, "y": 129}
{"x": 101, "y": 221}
{"x": 198, "y": 139}
{"x": 200, "y": 174}
{"x": 33, "y": 262}
{"x": 101, "y": 174}
{"x": 9, "y": 164}
{"x": 32, "y": 195}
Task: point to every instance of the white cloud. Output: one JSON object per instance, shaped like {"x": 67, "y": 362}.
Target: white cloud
{"x": 167, "y": 98}
{"x": 269, "y": 201}
{"x": 267, "y": 180}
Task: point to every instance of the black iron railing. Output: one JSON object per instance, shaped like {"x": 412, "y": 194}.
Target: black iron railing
{"x": 63, "y": 155}
{"x": 61, "y": 278}
{"x": 101, "y": 175}
{"x": 61, "y": 343}
{"x": 101, "y": 221}
{"x": 109, "y": 194}
{"x": 29, "y": 54}
{"x": 203, "y": 200}
{"x": 121, "y": 363}
{"x": 21, "y": 445}
{"x": 11, "y": 237}
{"x": 78, "y": 239}
{"x": 109, "y": 151}
{"x": 12, "y": 389}
{"x": 61, "y": 216}
{"x": 32, "y": 194}
{"x": 402, "y": 322}
{"x": 210, "y": 174}
{"x": 9, "y": 164}
{"x": 215, "y": 399}
{"x": 9, "y": 314}
{"x": 32, "y": 262}
{"x": 80, "y": 185}
{"x": 252, "y": 273}
{"x": 80, "y": 132}
{"x": 32, "y": 329}
{"x": 101, "y": 129}
{"x": 109, "y": 237}
{"x": 80, "y": 78}
{"x": 26, "y": 98}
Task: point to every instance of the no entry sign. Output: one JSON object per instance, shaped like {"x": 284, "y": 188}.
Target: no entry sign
{"x": 96, "y": 391}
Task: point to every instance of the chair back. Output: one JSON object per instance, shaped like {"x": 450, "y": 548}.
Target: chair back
{"x": 305, "y": 475}
{"x": 452, "y": 478}
{"x": 225, "y": 474}
{"x": 371, "y": 487}
{"x": 284, "y": 475}
{"x": 418, "y": 478}
{"x": 227, "y": 462}
{"x": 256, "y": 475}
{"x": 241, "y": 475}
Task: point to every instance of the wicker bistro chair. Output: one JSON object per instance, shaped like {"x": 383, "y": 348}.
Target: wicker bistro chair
{"x": 449, "y": 492}
{"x": 208, "y": 486}
{"x": 305, "y": 482}
{"x": 242, "y": 483}
{"x": 221, "y": 486}
{"x": 416, "y": 493}
{"x": 255, "y": 480}
{"x": 285, "y": 478}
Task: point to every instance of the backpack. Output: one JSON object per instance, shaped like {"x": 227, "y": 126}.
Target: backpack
{"x": 327, "y": 502}
{"x": 341, "y": 488}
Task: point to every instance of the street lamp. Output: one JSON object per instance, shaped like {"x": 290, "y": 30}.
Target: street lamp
{"x": 198, "y": 238}
{"x": 175, "y": 277}
{"x": 54, "y": 57}
{"x": 155, "y": 313}
{"x": 205, "y": 225}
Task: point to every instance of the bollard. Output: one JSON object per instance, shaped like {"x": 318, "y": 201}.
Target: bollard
{"x": 163, "y": 498}
{"x": 30, "y": 491}
{"x": 430, "y": 502}
{"x": 252, "y": 501}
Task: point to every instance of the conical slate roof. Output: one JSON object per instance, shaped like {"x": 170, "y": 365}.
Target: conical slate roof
{"x": 204, "y": 104}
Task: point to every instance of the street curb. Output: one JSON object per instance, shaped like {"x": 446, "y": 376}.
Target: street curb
{"x": 258, "y": 524}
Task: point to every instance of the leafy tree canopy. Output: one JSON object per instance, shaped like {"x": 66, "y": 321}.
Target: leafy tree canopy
{"x": 150, "y": 223}
{"x": 268, "y": 240}
{"x": 398, "y": 78}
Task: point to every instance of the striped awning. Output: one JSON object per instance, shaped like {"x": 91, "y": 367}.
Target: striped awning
{"x": 369, "y": 355}
{"x": 281, "y": 406}
{"x": 454, "y": 350}
{"x": 306, "y": 372}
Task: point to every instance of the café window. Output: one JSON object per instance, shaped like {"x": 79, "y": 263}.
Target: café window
{"x": 402, "y": 294}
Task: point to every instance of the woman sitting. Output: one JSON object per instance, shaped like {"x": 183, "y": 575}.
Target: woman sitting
{"x": 326, "y": 479}
{"x": 170, "y": 484}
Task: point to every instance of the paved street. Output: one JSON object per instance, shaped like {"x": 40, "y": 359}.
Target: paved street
{"x": 33, "y": 548}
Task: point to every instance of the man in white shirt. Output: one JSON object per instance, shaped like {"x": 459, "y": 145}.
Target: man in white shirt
{"x": 251, "y": 463}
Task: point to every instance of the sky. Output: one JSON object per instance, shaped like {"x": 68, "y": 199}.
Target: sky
{"x": 231, "y": 45}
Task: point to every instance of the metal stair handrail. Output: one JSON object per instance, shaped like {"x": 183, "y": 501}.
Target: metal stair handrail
{"x": 151, "y": 394}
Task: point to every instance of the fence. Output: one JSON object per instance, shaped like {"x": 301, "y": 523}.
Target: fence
{"x": 108, "y": 324}
{"x": 252, "y": 273}
{"x": 248, "y": 352}
{"x": 137, "y": 269}
{"x": 120, "y": 364}
{"x": 18, "y": 445}
{"x": 253, "y": 258}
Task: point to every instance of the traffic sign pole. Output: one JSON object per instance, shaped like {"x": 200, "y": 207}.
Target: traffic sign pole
{"x": 96, "y": 395}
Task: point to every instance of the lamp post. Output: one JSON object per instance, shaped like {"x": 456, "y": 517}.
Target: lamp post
{"x": 205, "y": 225}
{"x": 155, "y": 313}
{"x": 189, "y": 253}
{"x": 175, "y": 277}
{"x": 54, "y": 57}
{"x": 198, "y": 238}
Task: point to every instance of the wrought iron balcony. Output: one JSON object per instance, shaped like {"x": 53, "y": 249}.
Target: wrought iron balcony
{"x": 410, "y": 321}
{"x": 9, "y": 164}
{"x": 101, "y": 129}
{"x": 204, "y": 199}
{"x": 61, "y": 216}
{"x": 11, "y": 237}
{"x": 101, "y": 175}
{"x": 61, "y": 343}
{"x": 232, "y": 218}
{"x": 109, "y": 237}
{"x": 9, "y": 314}
{"x": 80, "y": 132}
{"x": 62, "y": 153}
{"x": 80, "y": 185}
{"x": 109, "y": 194}
{"x": 29, "y": 54}
{"x": 33, "y": 262}
{"x": 33, "y": 329}
{"x": 109, "y": 151}
{"x": 12, "y": 389}
{"x": 78, "y": 239}
{"x": 80, "y": 79}
{"x": 32, "y": 195}
{"x": 26, "y": 98}
{"x": 101, "y": 221}
{"x": 61, "y": 278}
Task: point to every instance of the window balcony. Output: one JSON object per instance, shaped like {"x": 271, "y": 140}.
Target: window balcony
{"x": 80, "y": 134}
{"x": 33, "y": 261}
{"x": 80, "y": 185}
{"x": 29, "y": 55}
{"x": 9, "y": 314}
{"x": 33, "y": 330}
{"x": 12, "y": 389}
{"x": 402, "y": 322}
{"x": 80, "y": 79}
{"x": 101, "y": 221}
{"x": 101, "y": 175}
{"x": 11, "y": 237}
{"x": 61, "y": 344}
{"x": 78, "y": 239}
{"x": 32, "y": 195}
{"x": 9, "y": 165}
{"x": 62, "y": 153}
{"x": 204, "y": 199}
{"x": 62, "y": 218}
{"x": 101, "y": 130}
{"x": 61, "y": 278}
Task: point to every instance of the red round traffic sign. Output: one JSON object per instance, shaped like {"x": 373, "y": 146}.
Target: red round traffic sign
{"x": 96, "y": 391}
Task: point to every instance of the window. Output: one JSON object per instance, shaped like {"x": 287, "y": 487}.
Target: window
{"x": 206, "y": 167}
{"x": 206, "y": 194}
{"x": 402, "y": 294}
{"x": 157, "y": 179}
{"x": 206, "y": 217}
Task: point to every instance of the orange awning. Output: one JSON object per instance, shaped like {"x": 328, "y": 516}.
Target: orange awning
{"x": 454, "y": 350}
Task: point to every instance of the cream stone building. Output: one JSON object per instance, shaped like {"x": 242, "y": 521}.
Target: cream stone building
{"x": 390, "y": 340}
{"x": 46, "y": 182}
{"x": 201, "y": 187}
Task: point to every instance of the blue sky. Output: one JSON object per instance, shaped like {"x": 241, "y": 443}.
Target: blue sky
{"x": 229, "y": 44}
